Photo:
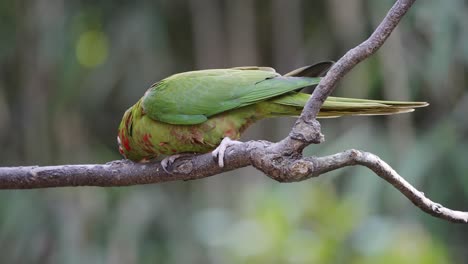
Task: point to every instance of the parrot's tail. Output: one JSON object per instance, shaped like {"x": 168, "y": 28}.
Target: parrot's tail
{"x": 339, "y": 106}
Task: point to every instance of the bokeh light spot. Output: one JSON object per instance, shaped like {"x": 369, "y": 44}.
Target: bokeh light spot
{"x": 92, "y": 48}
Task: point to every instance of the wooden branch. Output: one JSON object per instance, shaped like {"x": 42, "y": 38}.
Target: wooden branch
{"x": 281, "y": 161}
{"x": 353, "y": 57}
{"x": 119, "y": 172}
{"x": 384, "y": 171}
{"x": 259, "y": 154}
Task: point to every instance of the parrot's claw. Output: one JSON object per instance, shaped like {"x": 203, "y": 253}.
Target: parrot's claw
{"x": 220, "y": 151}
{"x": 167, "y": 161}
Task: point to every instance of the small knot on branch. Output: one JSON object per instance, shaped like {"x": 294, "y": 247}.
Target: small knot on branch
{"x": 436, "y": 208}
{"x": 185, "y": 167}
{"x": 300, "y": 170}
{"x": 281, "y": 167}
{"x": 307, "y": 131}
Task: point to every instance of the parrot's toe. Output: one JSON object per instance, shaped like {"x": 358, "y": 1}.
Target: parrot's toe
{"x": 167, "y": 161}
{"x": 220, "y": 151}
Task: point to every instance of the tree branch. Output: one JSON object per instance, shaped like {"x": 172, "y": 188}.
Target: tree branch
{"x": 120, "y": 172}
{"x": 384, "y": 171}
{"x": 353, "y": 57}
{"x": 338, "y": 70}
{"x": 281, "y": 161}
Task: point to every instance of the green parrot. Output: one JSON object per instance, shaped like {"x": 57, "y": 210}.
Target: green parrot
{"x": 197, "y": 111}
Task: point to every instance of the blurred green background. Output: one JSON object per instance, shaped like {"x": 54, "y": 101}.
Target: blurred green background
{"x": 69, "y": 69}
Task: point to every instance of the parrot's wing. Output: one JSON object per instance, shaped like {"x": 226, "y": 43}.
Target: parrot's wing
{"x": 316, "y": 70}
{"x": 191, "y": 97}
{"x": 257, "y": 68}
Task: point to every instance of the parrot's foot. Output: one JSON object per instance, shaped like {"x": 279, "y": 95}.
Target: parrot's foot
{"x": 220, "y": 151}
{"x": 167, "y": 161}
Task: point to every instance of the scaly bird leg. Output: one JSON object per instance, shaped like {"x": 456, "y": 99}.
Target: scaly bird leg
{"x": 220, "y": 151}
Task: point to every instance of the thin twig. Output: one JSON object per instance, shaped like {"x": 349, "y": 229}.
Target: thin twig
{"x": 384, "y": 171}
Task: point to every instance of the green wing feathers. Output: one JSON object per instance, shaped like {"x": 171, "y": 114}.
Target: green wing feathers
{"x": 339, "y": 106}
{"x": 192, "y": 97}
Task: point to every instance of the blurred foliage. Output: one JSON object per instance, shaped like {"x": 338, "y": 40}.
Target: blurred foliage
{"x": 69, "y": 69}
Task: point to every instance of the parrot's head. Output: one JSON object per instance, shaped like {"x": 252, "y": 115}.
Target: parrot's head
{"x": 125, "y": 131}
{"x": 121, "y": 151}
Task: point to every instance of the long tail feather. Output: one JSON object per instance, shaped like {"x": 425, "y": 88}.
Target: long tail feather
{"x": 339, "y": 106}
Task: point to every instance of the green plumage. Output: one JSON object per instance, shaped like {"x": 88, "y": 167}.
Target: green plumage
{"x": 193, "y": 111}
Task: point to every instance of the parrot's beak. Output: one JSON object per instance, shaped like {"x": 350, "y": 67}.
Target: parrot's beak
{"x": 120, "y": 147}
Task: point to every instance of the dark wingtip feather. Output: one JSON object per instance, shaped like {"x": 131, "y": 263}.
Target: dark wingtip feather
{"x": 316, "y": 70}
